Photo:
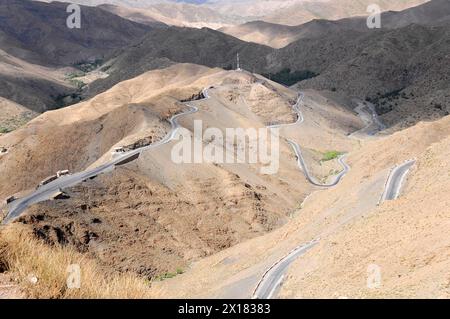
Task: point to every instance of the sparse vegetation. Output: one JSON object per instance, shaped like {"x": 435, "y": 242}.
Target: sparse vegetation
{"x": 88, "y": 66}
{"x": 63, "y": 100}
{"x": 73, "y": 79}
{"x": 287, "y": 77}
{"x": 4, "y": 130}
{"x": 74, "y": 75}
{"x": 23, "y": 256}
{"x": 77, "y": 83}
{"x": 169, "y": 275}
{"x": 10, "y": 124}
{"x": 330, "y": 155}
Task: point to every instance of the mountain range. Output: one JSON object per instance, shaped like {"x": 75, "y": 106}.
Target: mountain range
{"x": 345, "y": 56}
{"x": 122, "y": 49}
{"x": 221, "y": 13}
{"x": 91, "y": 170}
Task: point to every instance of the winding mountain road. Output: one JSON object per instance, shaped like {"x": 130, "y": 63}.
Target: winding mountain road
{"x": 366, "y": 111}
{"x": 272, "y": 279}
{"x": 395, "y": 181}
{"x": 302, "y": 165}
{"x": 298, "y": 152}
{"x": 45, "y": 192}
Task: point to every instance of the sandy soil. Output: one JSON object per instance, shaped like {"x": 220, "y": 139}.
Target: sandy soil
{"x": 224, "y": 225}
{"x": 13, "y": 115}
{"x": 403, "y": 237}
{"x": 173, "y": 215}
{"x": 77, "y": 136}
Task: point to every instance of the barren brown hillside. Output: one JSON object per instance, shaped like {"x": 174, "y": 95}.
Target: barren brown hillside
{"x": 406, "y": 238}
{"x": 431, "y": 13}
{"x": 149, "y": 155}
{"x": 56, "y": 141}
{"x": 33, "y": 86}
{"x": 172, "y": 215}
{"x": 37, "y": 32}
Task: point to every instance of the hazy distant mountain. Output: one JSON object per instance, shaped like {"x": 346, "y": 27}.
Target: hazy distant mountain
{"x": 305, "y": 11}
{"x": 175, "y": 14}
{"x": 142, "y": 16}
{"x": 273, "y": 35}
{"x": 278, "y": 35}
{"x": 220, "y": 13}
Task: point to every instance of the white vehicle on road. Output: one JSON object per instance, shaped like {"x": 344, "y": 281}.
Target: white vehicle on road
{"x": 62, "y": 173}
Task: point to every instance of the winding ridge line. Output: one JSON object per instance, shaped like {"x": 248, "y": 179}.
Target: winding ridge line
{"x": 44, "y": 192}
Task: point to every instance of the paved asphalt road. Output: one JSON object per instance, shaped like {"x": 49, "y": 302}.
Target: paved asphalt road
{"x": 273, "y": 278}
{"x": 366, "y": 111}
{"x": 304, "y": 168}
{"x": 395, "y": 180}
{"x": 45, "y": 192}
{"x": 296, "y": 108}
{"x": 271, "y": 281}
{"x": 298, "y": 152}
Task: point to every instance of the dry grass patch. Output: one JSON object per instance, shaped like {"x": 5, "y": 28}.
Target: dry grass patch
{"x": 27, "y": 258}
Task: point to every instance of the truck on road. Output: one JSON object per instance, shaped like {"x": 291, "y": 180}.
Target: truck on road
{"x": 62, "y": 173}
{"x": 47, "y": 180}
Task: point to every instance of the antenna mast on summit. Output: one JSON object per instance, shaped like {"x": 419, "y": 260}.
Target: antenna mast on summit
{"x": 238, "y": 63}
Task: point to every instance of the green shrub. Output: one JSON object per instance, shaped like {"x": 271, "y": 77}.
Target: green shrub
{"x": 4, "y": 130}
{"x": 331, "y": 155}
{"x": 169, "y": 275}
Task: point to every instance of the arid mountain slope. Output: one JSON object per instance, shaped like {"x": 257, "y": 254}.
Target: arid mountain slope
{"x": 432, "y": 13}
{"x": 31, "y": 85}
{"x": 79, "y": 135}
{"x": 305, "y": 11}
{"x": 13, "y": 115}
{"x": 170, "y": 214}
{"x": 37, "y": 32}
{"x": 39, "y": 54}
{"x": 405, "y": 238}
{"x": 403, "y": 71}
{"x": 163, "y": 47}
{"x": 176, "y": 14}
{"x": 384, "y": 66}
